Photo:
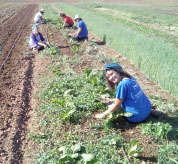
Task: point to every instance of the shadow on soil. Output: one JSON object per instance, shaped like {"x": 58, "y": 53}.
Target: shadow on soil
{"x": 103, "y": 42}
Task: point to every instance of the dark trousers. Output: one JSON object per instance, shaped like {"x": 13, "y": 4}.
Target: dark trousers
{"x": 68, "y": 25}
{"x": 79, "y": 39}
{"x": 40, "y": 48}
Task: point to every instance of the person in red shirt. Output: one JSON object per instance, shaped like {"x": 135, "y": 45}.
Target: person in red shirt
{"x": 68, "y": 22}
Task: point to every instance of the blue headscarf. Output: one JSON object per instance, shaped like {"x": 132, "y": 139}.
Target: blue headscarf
{"x": 34, "y": 26}
{"x": 114, "y": 66}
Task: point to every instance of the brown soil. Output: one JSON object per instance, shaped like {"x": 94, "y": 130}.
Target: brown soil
{"x": 16, "y": 85}
{"x": 9, "y": 10}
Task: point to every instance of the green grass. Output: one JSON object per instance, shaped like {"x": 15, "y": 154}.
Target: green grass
{"x": 168, "y": 154}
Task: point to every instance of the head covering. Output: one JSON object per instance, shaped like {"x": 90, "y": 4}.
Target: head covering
{"x": 113, "y": 66}
{"x": 77, "y": 17}
{"x": 34, "y": 26}
{"x": 42, "y": 10}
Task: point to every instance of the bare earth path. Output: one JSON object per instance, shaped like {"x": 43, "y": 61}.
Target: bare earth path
{"x": 15, "y": 83}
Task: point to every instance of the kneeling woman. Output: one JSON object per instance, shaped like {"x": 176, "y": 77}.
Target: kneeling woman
{"x": 129, "y": 95}
{"x": 37, "y": 42}
{"x": 82, "y": 32}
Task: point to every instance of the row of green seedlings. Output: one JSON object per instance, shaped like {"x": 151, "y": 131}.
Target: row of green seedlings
{"x": 159, "y": 130}
{"x": 109, "y": 120}
{"x": 140, "y": 27}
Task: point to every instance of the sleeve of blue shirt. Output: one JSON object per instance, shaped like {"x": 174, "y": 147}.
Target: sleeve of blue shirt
{"x": 80, "y": 24}
{"x": 121, "y": 91}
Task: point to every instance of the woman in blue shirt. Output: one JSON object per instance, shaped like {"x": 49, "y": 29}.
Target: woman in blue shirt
{"x": 82, "y": 32}
{"x": 129, "y": 94}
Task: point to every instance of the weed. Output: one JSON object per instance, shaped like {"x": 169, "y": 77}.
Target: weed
{"x": 75, "y": 49}
{"x": 168, "y": 154}
{"x": 52, "y": 50}
{"x": 159, "y": 130}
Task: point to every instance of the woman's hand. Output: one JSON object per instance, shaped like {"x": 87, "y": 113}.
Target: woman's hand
{"x": 108, "y": 100}
{"x": 100, "y": 116}
{"x": 112, "y": 108}
{"x": 75, "y": 35}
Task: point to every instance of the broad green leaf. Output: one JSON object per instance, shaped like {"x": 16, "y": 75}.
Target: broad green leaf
{"x": 87, "y": 157}
{"x": 63, "y": 149}
{"x": 133, "y": 148}
{"x": 76, "y": 148}
{"x": 63, "y": 159}
{"x": 76, "y": 155}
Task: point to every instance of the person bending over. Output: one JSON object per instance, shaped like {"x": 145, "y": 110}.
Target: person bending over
{"x": 68, "y": 22}
{"x": 82, "y": 32}
{"x": 129, "y": 94}
{"x": 37, "y": 42}
{"x": 39, "y": 17}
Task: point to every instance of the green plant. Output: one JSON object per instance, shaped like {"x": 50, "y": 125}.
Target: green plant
{"x": 75, "y": 49}
{"x": 108, "y": 122}
{"x": 52, "y": 50}
{"x": 159, "y": 130}
{"x": 168, "y": 153}
{"x": 75, "y": 154}
{"x": 60, "y": 25}
{"x": 134, "y": 148}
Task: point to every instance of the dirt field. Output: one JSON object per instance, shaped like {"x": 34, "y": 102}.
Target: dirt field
{"x": 15, "y": 82}
{"x": 18, "y": 84}
{"x": 142, "y": 2}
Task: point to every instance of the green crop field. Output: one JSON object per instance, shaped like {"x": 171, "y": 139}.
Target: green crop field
{"x": 72, "y": 94}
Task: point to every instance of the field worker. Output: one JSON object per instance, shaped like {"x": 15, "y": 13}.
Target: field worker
{"x": 82, "y": 32}
{"x": 68, "y": 22}
{"x": 39, "y": 17}
{"x": 37, "y": 42}
{"x": 129, "y": 94}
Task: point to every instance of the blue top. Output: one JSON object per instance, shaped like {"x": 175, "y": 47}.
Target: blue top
{"x": 34, "y": 39}
{"x": 84, "y": 32}
{"x": 134, "y": 100}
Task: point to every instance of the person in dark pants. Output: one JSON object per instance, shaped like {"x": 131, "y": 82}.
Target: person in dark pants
{"x": 37, "y": 42}
{"x": 129, "y": 95}
{"x": 68, "y": 22}
{"x": 82, "y": 32}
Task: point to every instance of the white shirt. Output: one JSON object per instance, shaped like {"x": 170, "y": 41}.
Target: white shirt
{"x": 37, "y": 17}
